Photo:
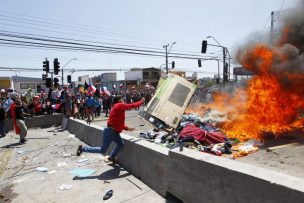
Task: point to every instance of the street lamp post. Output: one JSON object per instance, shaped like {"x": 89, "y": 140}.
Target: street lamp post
{"x": 63, "y": 67}
{"x": 167, "y": 53}
{"x": 224, "y": 59}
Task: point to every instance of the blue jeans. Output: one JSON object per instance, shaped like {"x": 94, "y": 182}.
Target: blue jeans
{"x": 2, "y": 132}
{"x": 109, "y": 135}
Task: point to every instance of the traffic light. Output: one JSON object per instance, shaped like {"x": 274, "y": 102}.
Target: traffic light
{"x": 217, "y": 80}
{"x": 204, "y": 46}
{"x": 199, "y": 63}
{"x": 48, "y": 82}
{"x": 56, "y": 66}
{"x": 173, "y": 64}
{"x": 46, "y": 66}
{"x": 69, "y": 78}
{"x": 44, "y": 76}
{"x": 56, "y": 82}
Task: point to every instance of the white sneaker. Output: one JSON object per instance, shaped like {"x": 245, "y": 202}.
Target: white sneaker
{"x": 107, "y": 159}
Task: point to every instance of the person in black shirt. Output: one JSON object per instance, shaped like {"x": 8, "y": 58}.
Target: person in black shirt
{"x": 19, "y": 112}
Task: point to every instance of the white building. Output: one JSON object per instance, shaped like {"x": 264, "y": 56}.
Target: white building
{"x": 108, "y": 77}
{"x": 22, "y": 84}
{"x": 104, "y": 77}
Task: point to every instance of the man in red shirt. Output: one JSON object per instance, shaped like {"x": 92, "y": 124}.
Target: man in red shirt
{"x": 115, "y": 125}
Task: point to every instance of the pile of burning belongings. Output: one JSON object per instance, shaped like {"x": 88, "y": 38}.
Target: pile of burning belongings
{"x": 199, "y": 134}
{"x": 166, "y": 111}
{"x": 193, "y": 134}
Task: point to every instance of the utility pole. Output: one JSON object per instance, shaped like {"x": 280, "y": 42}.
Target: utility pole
{"x": 166, "y": 46}
{"x": 224, "y": 63}
{"x": 271, "y": 27}
{"x": 167, "y": 54}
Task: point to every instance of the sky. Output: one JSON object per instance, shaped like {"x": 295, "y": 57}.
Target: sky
{"x": 136, "y": 24}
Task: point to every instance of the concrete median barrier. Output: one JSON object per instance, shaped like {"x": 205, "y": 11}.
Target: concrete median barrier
{"x": 76, "y": 127}
{"x": 201, "y": 177}
{"x": 37, "y": 121}
{"x": 147, "y": 161}
{"x": 193, "y": 176}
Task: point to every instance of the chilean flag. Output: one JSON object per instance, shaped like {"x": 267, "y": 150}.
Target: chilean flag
{"x": 105, "y": 91}
{"x": 92, "y": 88}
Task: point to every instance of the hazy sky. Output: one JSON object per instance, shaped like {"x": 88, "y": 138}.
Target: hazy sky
{"x": 139, "y": 23}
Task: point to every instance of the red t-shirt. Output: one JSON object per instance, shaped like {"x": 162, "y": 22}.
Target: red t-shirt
{"x": 117, "y": 115}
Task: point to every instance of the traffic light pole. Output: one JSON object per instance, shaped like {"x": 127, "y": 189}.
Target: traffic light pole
{"x": 63, "y": 67}
{"x": 62, "y": 76}
{"x": 52, "y": 77}
{"x": 224, "y": 61}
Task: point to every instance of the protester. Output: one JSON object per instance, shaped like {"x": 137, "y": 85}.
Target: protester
{"x": 115, "y": 125}
{"x": 90, "y": 105}
{"x": 107, "y": 100}
{"x": 2, "y": 120}
{"x": 97, "y": 106}
{"x": 17, "y": 110}
{"x": 29, "y": 99}
{"x": 67, "y": 101}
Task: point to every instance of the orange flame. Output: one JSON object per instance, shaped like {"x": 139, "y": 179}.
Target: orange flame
{"x": 267, "y": 104}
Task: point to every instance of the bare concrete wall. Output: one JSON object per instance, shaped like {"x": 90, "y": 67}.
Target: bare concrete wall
{"x": 37, "y": 121}
{"x": 194, "y": 176}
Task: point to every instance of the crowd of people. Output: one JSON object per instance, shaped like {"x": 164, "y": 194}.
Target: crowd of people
{"x": 86, "y": 105}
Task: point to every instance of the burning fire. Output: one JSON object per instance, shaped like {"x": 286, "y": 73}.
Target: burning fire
{"x": 271, "y": 104}
{"x": 273, "y": 101}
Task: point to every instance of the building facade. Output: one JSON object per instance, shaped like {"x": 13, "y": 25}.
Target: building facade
{"x": 104, "y": 77}
{"x": 22, "y": 84}
{"x": 139, "y": 77}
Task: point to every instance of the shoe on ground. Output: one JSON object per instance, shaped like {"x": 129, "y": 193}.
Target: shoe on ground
{"x": 22, "y": 141}
{"x": 108, "y": 195}
{"x": 79, "y": 150}
{"x": 108, "y": 159}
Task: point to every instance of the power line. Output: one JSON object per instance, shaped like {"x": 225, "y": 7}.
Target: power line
{"x": 48, "y": 24}
{"x": 86, "y": 47}
{"x": 79, "y": 27}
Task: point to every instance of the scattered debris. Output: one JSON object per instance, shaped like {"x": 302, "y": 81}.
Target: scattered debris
{"x": 82, "y": 160}
{"x": 21, "y": 151}
{"x": 105, "y": 181}
{"x": 82, "y": 172}
{"x": 71, "y": 136}
{"x": 51, "y": 172}
{"x": 41, "y": 169}
{"x": 61, "y": 164}
{"x": 65, "y": 187}
{"x": 67, "y": 155}
{"x": 243, "y": 149}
